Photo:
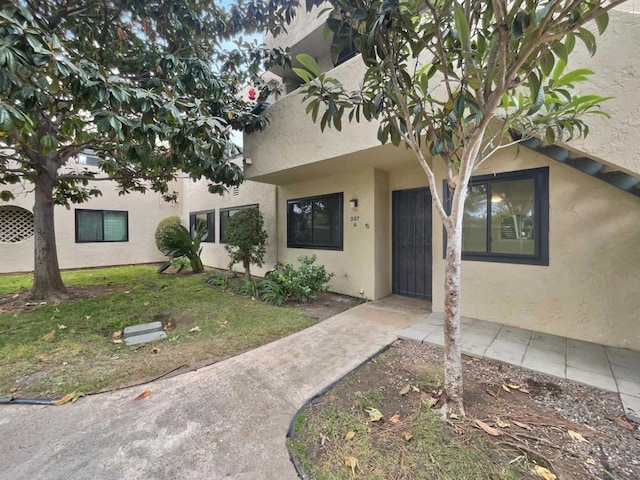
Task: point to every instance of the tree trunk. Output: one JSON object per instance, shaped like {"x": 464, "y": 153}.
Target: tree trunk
{"x": 47, "y": 281}
{"x": 453, "y": 389}
{"x": 247, "y": 269}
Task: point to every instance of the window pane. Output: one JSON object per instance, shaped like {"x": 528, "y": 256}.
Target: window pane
{"x": 474, "y": 222}
{"x": 115, "y": 226}
{"x": 300, "y": 223}
{"x": 512, "y": 217}
{"x": 224, "y": 217}
{"x": 326, "y": 226}
{"x": 89, "y": 225}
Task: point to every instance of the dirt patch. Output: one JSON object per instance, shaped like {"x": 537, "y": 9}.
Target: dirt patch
{"x": 327, "y": 305}
{"x": 575, "y": 431}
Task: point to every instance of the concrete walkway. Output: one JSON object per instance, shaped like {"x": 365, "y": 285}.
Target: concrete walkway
{"x": 613, "y": 369}
{"x": 226, "y": 421}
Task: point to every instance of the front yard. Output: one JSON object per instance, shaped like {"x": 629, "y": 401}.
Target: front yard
{"x": 52, "y": 350}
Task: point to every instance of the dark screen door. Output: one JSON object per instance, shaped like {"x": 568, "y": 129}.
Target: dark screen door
{"x": 411, "y": 221}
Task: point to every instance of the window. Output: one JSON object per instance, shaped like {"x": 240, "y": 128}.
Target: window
{"x": 225, "y": 213}
{"x": 208, "y": 218}
{"x": 506, "y": 218}
{"x": 315, "y": 222}
{"x": 101, "y": 226}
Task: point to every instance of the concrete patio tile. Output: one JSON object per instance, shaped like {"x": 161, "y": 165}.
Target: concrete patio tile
{"x": 579, "y": 345}
{"x": 475, "y": 349}
{"x": 485, "y": 327}
{"x": 628, "y": 387}
{"x": 513, "y": 334}
{"x": 546, "y": 342}
{"x": 434, "y": 319}
{"x": 631, "y": 406}
{"x": 549, "y": 356}
{"x": 435, "y": 338}
{"x": 595, "y": 361}
{"x": 468, "y": 322}
{"x": 509, "y": 352}
{"x": 623, "y": 358}
{"x": 544, "y": 366}
{"x": 412, "y": 333}
{"x": 606, "y": 382}
{"x": 628, "y": 374}
{"x": 425, "y": 326}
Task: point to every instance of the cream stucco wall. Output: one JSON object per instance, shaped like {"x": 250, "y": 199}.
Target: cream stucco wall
{"x": 144, "y": 212}
{"x": 197, "y": 199}
{"x": 590, "y": 289}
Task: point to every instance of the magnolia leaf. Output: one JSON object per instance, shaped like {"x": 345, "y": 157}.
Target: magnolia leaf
{"x": 375, "y": 415}
{"x": 513, "y": 387}
{"x": 117, "y": 340}
{"x": 544, "y": 473}
{"x": 428, "y": 400}
{"x": 505, "y": 388}
{"x": 352, "y": 463}
{"x": 490, "y": 430}
{"x": 395, "y": 418}
{"x": 405, "y": 389}
{"x": 407, "y": 436}
{"x": 349, "y": 435}
{"x": 116, "y": 335}
{"x": 195, "y": 329}
{"x": 143, "y": 395}
{"x": 309, "y": 63}
{"x": 13, "y": 389}
{"x": 622, "y": 422}
{"x": 67, "y": 398}
{"x": 49, "y": 336}
{"x": 415, "y": 389}
{"x": 576, "y": 436}
{"x": 502, "y": 424}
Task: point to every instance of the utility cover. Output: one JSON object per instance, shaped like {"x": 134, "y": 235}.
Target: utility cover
{"x": 143, "y": 333}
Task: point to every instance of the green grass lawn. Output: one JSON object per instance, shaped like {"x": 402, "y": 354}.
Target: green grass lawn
{"x": 51, "y": 350}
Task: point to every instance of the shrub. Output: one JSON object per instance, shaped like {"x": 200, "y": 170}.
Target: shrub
{"x": 218, "y": 280}
{"x": 272, "y": 292}
{"x": 302, "y": 283}
{"x": 246, "y": 239}
{"x": 178, "y": 243}
{"x": 163, "y": 227}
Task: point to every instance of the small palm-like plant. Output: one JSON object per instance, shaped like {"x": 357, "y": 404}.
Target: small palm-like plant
{"x": 178, "y": 242}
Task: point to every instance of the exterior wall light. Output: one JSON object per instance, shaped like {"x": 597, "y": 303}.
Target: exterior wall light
{"x": 353, "y": 203}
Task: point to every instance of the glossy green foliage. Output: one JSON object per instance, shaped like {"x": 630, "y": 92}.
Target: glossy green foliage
{"x": 246, "y": 238}
{"x": 178, "y": 243}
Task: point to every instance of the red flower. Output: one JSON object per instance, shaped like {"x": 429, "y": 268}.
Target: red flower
{"x": 252, "y": 94}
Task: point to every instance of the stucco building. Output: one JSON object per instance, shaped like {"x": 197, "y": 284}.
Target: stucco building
{"x": 551, "y": 233}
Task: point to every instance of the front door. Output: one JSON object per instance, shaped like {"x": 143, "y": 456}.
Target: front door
{"x": 411, "y": 220}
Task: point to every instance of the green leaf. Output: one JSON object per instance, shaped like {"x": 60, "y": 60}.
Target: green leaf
{"x": 309, "y": 63}
{"x": 462, "y": 26}
{"x": 303, "y": 74}
{"x": 602, "y": 21}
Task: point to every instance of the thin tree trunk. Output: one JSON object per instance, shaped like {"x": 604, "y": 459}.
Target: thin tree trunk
{"x": 247, "y": 272}
{"x": 453, "y": 386}
{"x": 47, "y": 281}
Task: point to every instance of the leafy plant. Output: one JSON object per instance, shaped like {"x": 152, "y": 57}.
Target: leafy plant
{"x": 179, "y": 243}
{"x": 272, "y": 292}
{"x": 218, "y": 280}
{"x": 247, "y": 288}
{"x": 301, "y": 283}
{"x": 246, "y": 239}
{"x": 163, "y": 227}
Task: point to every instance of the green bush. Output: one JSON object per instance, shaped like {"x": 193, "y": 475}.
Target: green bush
{"x": 218, "y": 280}
{"x": 178, "y": 243}
{"x": 302, "y": 283}
{"x": 271, "y": 292}
{"x": 246, "y": 239}
{"x": 163, "y": 227}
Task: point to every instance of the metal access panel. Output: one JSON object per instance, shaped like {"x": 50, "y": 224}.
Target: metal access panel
{"x": 412, "y": 261}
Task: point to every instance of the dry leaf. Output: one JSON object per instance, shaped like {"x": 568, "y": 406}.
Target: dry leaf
{"x": 67, "y": 398}
{"x": 544, "y": 473}
{"x": 622, "y": 422}
{"x": 490, "y": 393}
{"x": 457, "y": 429}
{"x": 61, "y": 327}
{"x": 524, "y": 390}
{"x": 155, "y": 350}
{"x": 323, "y": 439}
{"x": 146, "y": 304}
{"x": 454, "y": 415}
{"x": 116, "y": 335}
{"x": 144, "y": 394}
{"x": 87, "y": 317}
{"x": 407, "y": 436}
{"x": 415, "y": 389}
{"x": 374, "y": 414}
{"x": 521, "y": 425}
{"x": 117, "y": 340}
{"x": 405, "y": 389}
{"x": 350, "y": 434}
{"x": 195, "y": 329}
{"x": 576, "y": 436}
{"x": 505, "y": 388}
{"x": 13, "y": 389}
{"x": 76, "y": 396}
{"x": 490, "y": 430}
{"x": 127, "y": 291}
{"x": 428, "y": 399}
{"x": 591, "y": 461}
{"x": 502, "y": 424}
{"x": 352, "y": 463}
{"x": 49, "y": 336}
{"x": 513, "y": 387}
{"x": 395, "y": 418}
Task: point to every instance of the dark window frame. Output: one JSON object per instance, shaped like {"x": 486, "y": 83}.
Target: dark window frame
{"x": 102, "y": 211}
{"x": 340, "y": 245}
{"x": 540, "y": 256}
{"x": 226, "y": 212}
{"x": 211, "y": 224}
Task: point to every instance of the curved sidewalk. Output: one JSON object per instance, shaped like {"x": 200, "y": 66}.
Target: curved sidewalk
{"x": 226, "y": 421}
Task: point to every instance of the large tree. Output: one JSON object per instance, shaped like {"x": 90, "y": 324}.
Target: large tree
{"x": 454, "y": 81}
{"x": 144, "y": 85}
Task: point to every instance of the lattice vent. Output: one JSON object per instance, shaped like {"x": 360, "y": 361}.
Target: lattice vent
{"x": 16, "y": 224}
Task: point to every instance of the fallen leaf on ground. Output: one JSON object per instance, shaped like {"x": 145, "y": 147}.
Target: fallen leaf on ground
{"x": 591, "y": 461}
{"x": 195, "y": 329}
{"x": 76, "y": 396}
{"x": 352, "y": 463}
{"x": 521, "y": 425}
{"x": 374, "y": 414}
{"x": 144, "y": 394}
{"x": 155, "y": 350}
{"x": 67, "y": 398}
{"x": 505, "y": 388}
{"x": 513, "y": 387}
{"x": 622, "y": 422}
{"x": 323, "y": 439}
{"x": 61, "y": 327}
{"x": 576, "y": 436}
{"x": 524, "y": 390}
{"x": 407, "y": 436}
{"x": 405, "y": 389}
{"x": 457, "y": 429}
{"x": 490, "y": 393}
{"x": 116, "y": 335}
{"x": 117, "y": 340}
{"x": 13, "y": 389}
{"x": 146, "y": 304}
{"x": 454, "y": 415}
{"x": 544, "y": 473}
{"x": 490, "y": 430}
{"x": 415, "y": 389}
{"x": 428, "y": 399}
{"x": 87, "y": 317}
{"x": 127, "y": 291}
{"x": 395, "y": 418}
{"x": 349, "y": 435}
{"x": 502, "y": 424}
{"x": 50, "y": 335}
